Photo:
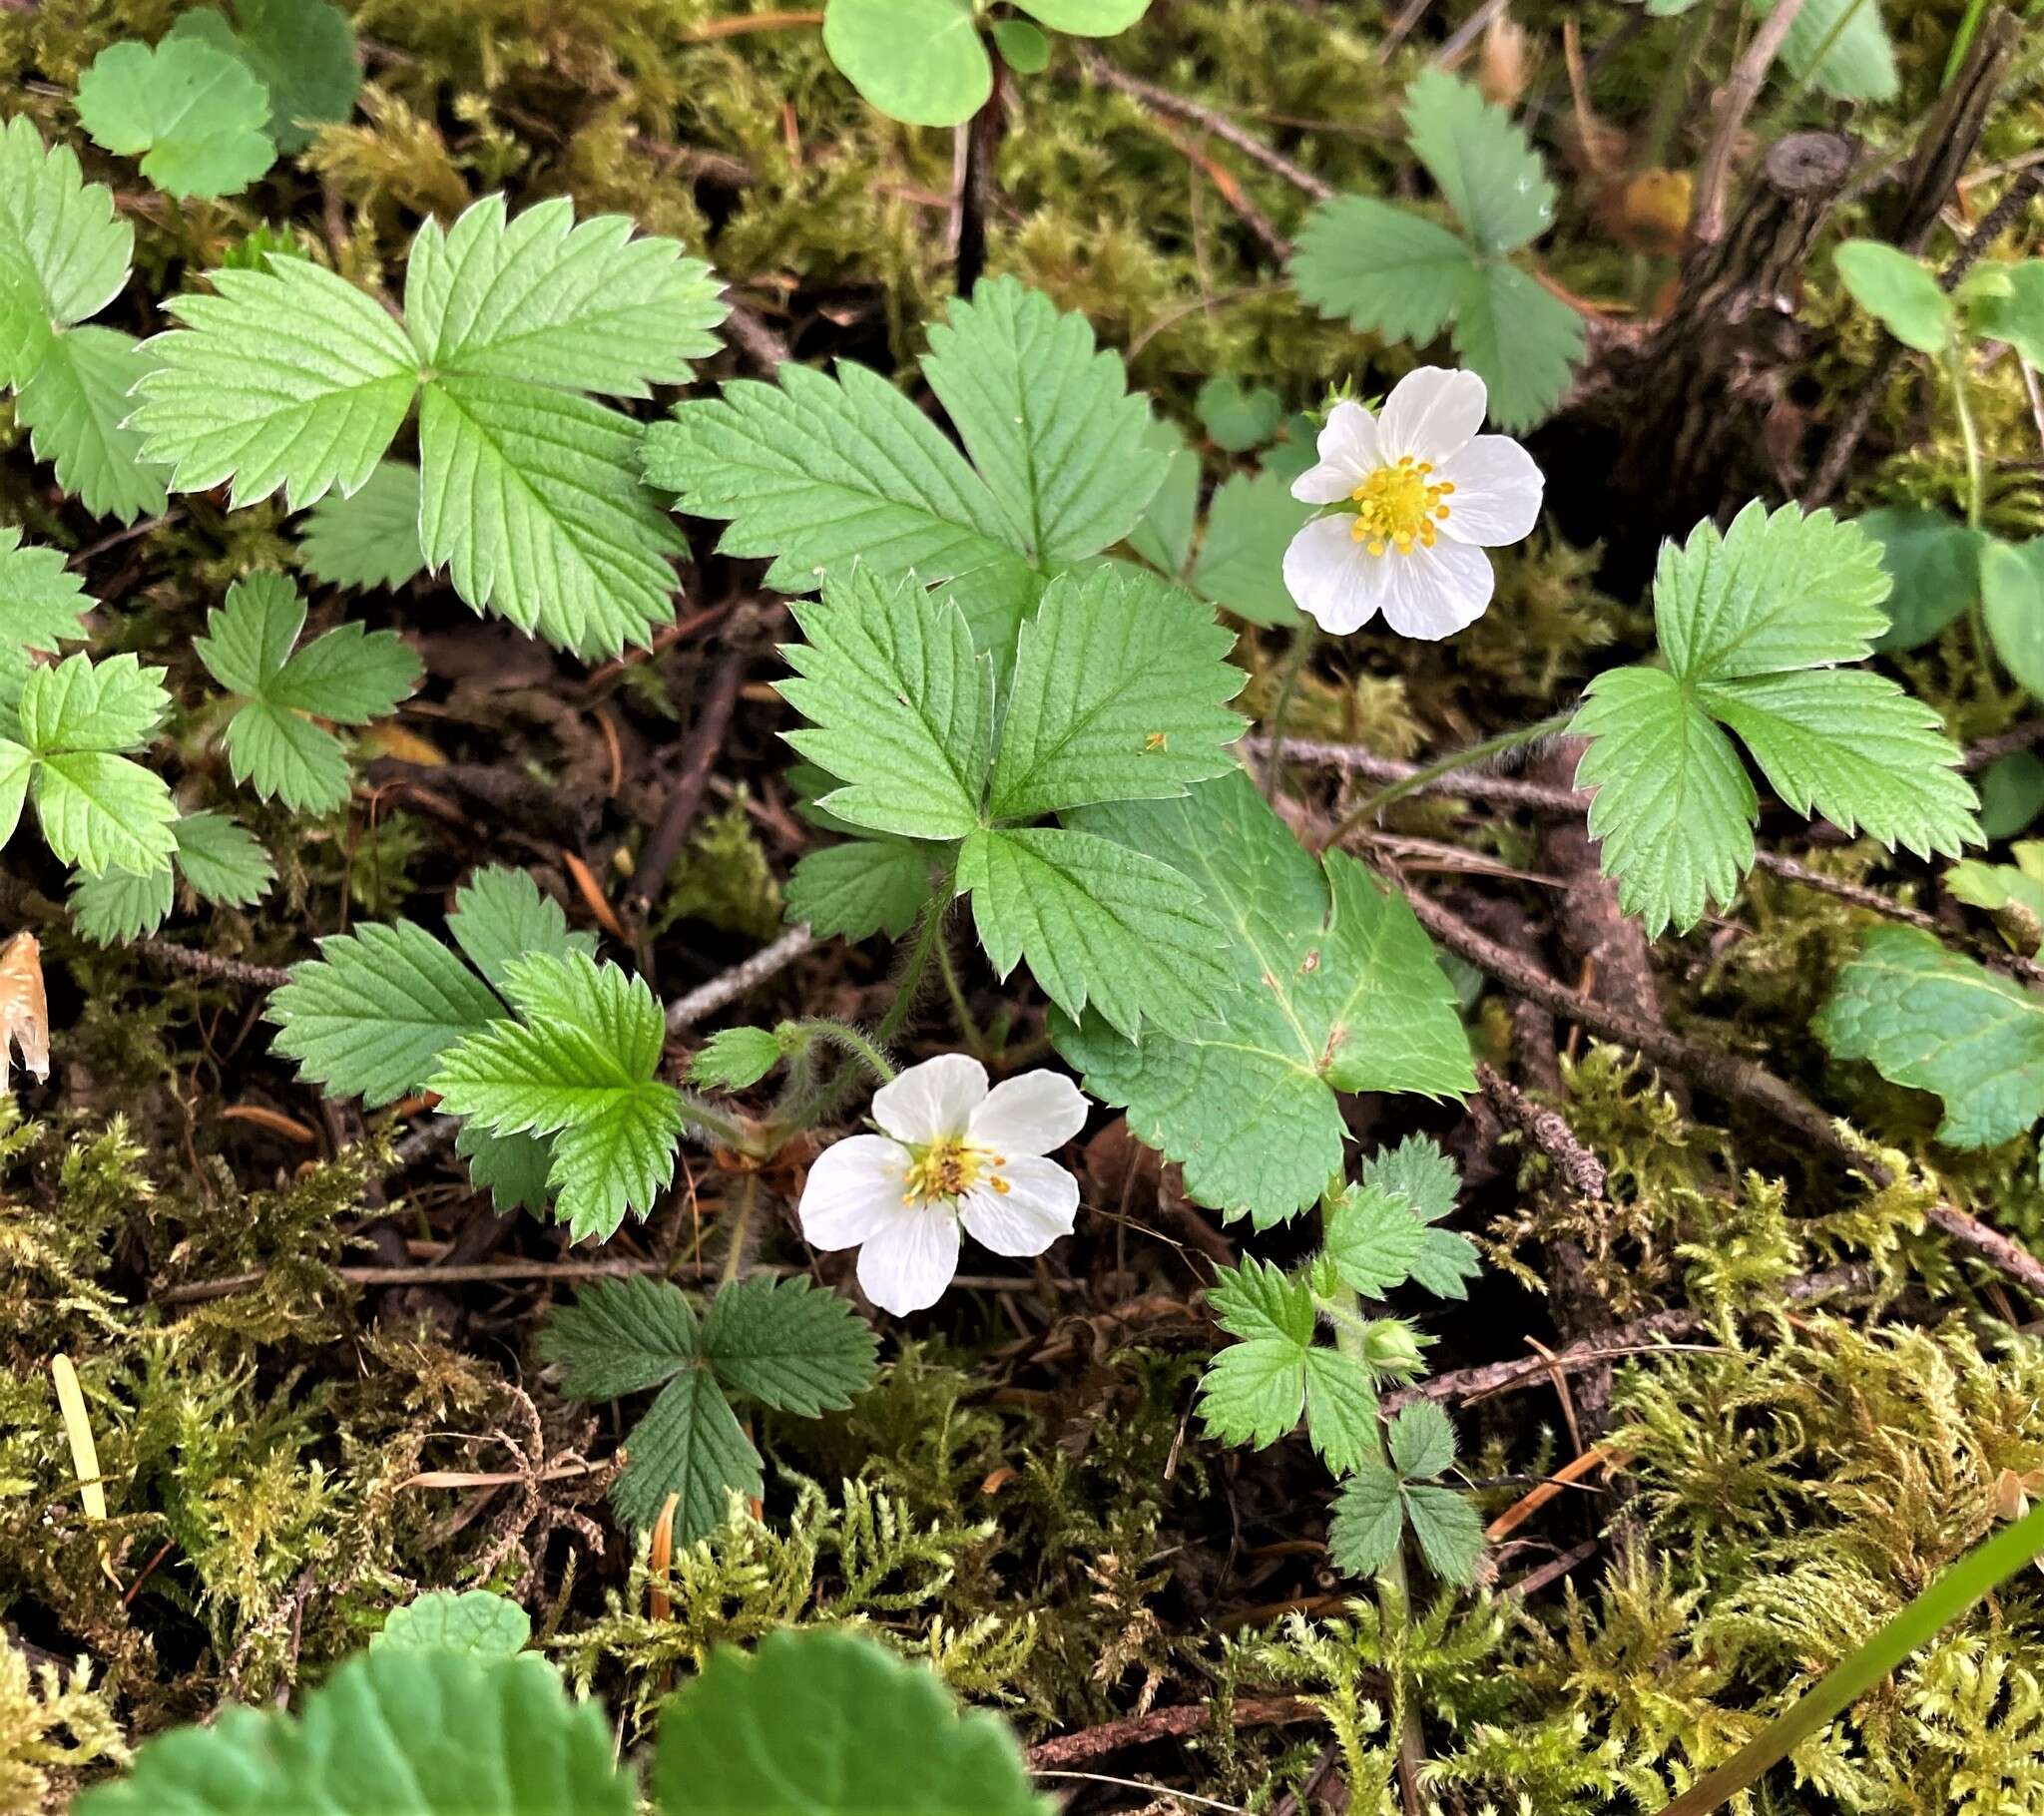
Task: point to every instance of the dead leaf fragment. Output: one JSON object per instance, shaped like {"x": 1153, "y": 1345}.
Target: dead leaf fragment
{"x": 24, "y": 1011}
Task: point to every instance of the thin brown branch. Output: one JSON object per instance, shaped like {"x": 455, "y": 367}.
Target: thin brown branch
{"x": 1173, "y": 1723}
{"x": 699, "y": 756}
{"x": 1547, "y": 1130}
{"x": 1707, "y": 218}
{"x": 208, "y": 965}
{"x": 706, "y": 999}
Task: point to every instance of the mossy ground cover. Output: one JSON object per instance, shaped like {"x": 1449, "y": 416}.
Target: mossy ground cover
{"x": 310, "y": 1350}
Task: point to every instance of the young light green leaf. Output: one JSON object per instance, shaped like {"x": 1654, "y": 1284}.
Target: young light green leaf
{"x": 500, "y": 917}
{"x": 1254, "y": 1391}
{"x": 824, "y": 473}
{"x": 1120, "y": 691}
{"x": 472, "y": 1621}
{"x": 63, "y": 251}
{"x": 586, "y": 308}
{"x": 75, "y": 407}
{"x": 1384, "y": 269}
{"x": 1086, "y": 18}
{"x": 118, "y": 906}
{"x": 17, "y": 765}
{"x": 1899, "y": 292}
{"x": 371, "y": 539}
{"x": 222, "y": 859}
{"x": 861, "y": 887}
{"x": 1935, "y": 1021}
{"x": 900, "y": 709}
{"x": 1373, "y": 1240}
{"x": 530, "y": 497}
{"x": 1099, "y": 925}
{"x": 1239, "y": 418}
{"x": 2014, "y": 311}
{"x": 42, "y": 603}
{"x": 1047, "y": 418}
{"x": 1420, "y": 1173}
{"x": 1843, "y": 45}
{"x": 1672, "y": 808}
{"x": 1023, "y": 48}
{"x": 1487, "y": 167}
{"x": 793, "y": 1346}
{"x": 302, "y": 51}
{"x": 290, "y": 378}
{"x": 1996, "y": 886}
{"x": 390, "y": 1730}
{"x": 1422, "y": 1441}
{"x": 1249, "y": 524}
{"x": 372, "y": 1013}
{"x": 830, "y": 1723}
{"x": 193, "y": 114}
{"x": 620, "y": 1337}
{"x": 1521, "y": 339}
{"x": 80, "y": 704}
{"x": 1339, "y": 991}
{"x": 102, "y": 812}
{"x": 581, "y": 1066}
{"x": 917, "y": 61}
{"x": 736, "y": 1059}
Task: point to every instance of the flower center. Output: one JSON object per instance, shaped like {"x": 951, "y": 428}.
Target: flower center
{"x": 1399, "y": 506}
{"x": 948, "y": 1168}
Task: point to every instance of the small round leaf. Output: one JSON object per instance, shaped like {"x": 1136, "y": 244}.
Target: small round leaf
{"x": 1023, "y": 48}
{"x": 917, "y": 61}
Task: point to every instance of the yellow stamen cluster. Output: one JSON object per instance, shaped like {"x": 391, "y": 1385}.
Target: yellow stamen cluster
{"x": 948, "y": 1168}
{"x": 1399, "y": 506}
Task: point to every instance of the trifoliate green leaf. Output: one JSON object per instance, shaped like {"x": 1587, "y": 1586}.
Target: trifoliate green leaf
{"x": 1239, "y": 418}
{"x": 2012, "y": 603}
{"x": 582, "y": 1067}
{"x": 587, "y": 307}
{"x": 1899, "y": 292}
{"x": 302, "y": 51}
{"x": 2014, "y": 311}
{"x": 1741, "y": 617}
{"x": 80, "y": 704}
{"x": 530, "y": 497}
{"x": 472, "y": 1621}
{"x": 1932, "y": 1020}
{"x": 1449, "y": 1531}
{"x": 499, "y": 917}
{"x": 1933, "y": 563}
{"x": 193, "y": 114}
{"x": 1384, "y": 269}
{"x": 347, "y": 675}
{"x": 117, "y": 906}
{"x": 1340, "y": 991}
{"x": 372, "y": 1013}
{"x": 391, "y": 1731}
{"x": 917, "y": 61}
{"x": 42, "y": 603}
{"x": 690, "y": 1445}
{"x": 621, "y": 1337}
{"x": 1047, "y": 418}
{"x": 102, "y": 812}
{"x": 1369, "y": 1521}
{"x": 1422, "y": 1441}
{"x": 76, "y": 409}
{"x": 830, "y": 1723}
{"x": 222, "y": 859}
{"x": 824, "y": 473}
{"x": 1340, "y": 1409}
{"x": 1373, "y": 1240}
{"x": 790, "y": 1345}
{"x": 860, "y": 888}
{"x": 1521, "y": 339}
{"x": 98, "y": 811}
{"x": 1487, "y": 169}
{"x": 290, "y": 378}
{"x": 736, "y": 1058}
{"x": 1120, "y": 691}
{"x": 63, "y": 252}
{"x": 900, "y": 709}
{"x": 1249, "y": 524}
{"x": 371, "y": 539}
{"x": 1843, "y": 44}
{"x": 1254, "y": 1391}
{"x": 1099, "y": 925}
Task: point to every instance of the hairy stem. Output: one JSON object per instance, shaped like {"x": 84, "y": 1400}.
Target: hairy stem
{"x": 1296, "y": 653}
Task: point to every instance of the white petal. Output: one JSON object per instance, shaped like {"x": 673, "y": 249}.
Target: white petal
{"x": 1333, "y": 577}
{"x": 1496, "y": 499}
{"x": 1436, "y": 591}
{"x": 1033, "y": 1114}
{"x": 1431, "y": 413}
{"x": 1038, "y": 1207}
{"x": 932, "y": 1100}
{"x": 907, "y": 1266}
{"x": 1348, "y": 451}
{"x": 853, "y": 1189}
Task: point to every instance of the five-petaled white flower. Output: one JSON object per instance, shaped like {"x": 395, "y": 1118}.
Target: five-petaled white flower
{"x": 950, "y": 1151}
{"x": 1427, "y": 495}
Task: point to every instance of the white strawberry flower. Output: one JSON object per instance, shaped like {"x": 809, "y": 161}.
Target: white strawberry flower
{"x": 1424, "y": 496}
{"x": 950, "y": 1151}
